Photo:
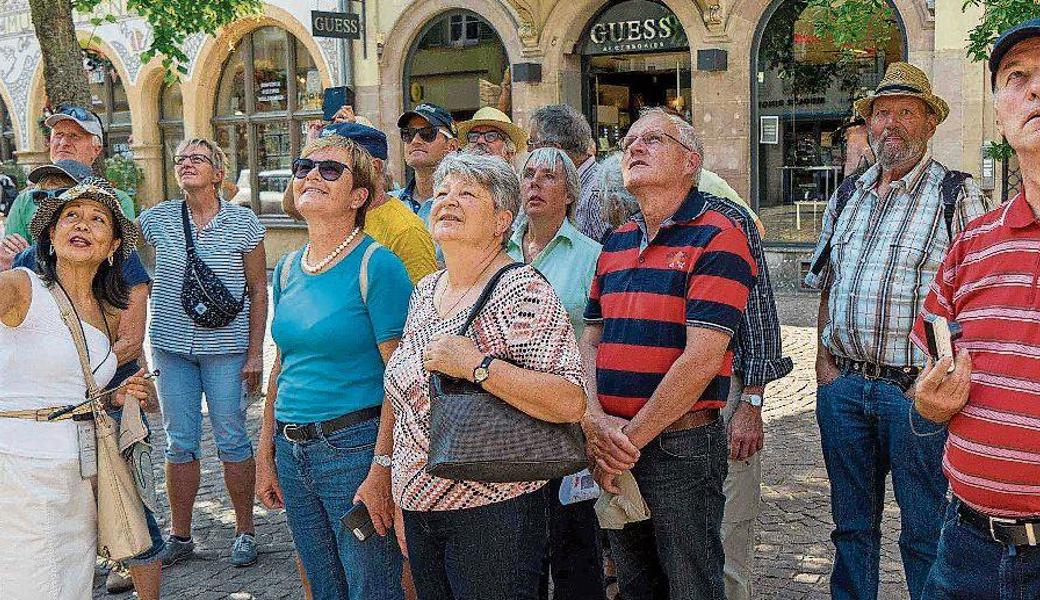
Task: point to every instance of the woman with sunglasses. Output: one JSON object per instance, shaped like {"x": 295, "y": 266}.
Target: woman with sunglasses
{"x": 340, "y": 304}
{"x": 224, "y": 363}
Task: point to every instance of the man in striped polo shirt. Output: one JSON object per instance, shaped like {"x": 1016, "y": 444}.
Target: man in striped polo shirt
{"x": 988, "y": 283}
{"x": 883, "y": 237}
{"x": 670, "y": 290}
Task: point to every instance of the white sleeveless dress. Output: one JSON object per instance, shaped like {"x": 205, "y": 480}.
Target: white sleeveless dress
{"x": 48, "y": 530}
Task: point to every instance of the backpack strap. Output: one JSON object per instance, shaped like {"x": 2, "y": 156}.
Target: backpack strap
{"x": 842, "y": 197}
{"x": 949, "y": 191}
{"x": 363, "y": 277}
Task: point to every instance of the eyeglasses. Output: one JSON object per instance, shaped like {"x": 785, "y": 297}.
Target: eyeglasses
{"x": 533, "y": 144}
{"x": 652, "y": 139}
{"x": 489, "y": 136}
{"x": 426, "y": 134}
{"x": 330, "y": 170}
{"x": 195, "y": 159}
{"x": 41, "y": 195}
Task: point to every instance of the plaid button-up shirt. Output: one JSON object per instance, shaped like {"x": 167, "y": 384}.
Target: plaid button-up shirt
{"x": 588, "y": 213}
{"x": 884, "y": 256}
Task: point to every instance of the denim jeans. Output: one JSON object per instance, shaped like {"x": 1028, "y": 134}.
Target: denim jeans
{"x": 492, "y": 551}
{"x": 971, "y": 566}
{"x": 677, "y": 554}
{"x": 319, "y": 479}
{"x": 185, "y": 377}
{"x": 574, "y": 557}
{"x": 866, "y": 432}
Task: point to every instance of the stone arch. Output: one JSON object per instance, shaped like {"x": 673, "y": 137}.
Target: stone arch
{"x": 16, "y": 124}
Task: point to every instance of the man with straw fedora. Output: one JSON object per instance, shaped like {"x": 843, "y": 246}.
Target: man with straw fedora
{"x": 883, "y": 238}
{"x": 492, "y": 132}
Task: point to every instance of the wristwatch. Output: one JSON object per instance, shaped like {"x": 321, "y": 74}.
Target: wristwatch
{"x": 752, "y": 399}
{"x": 382, "y": 460}
{"x": 481, "y": 373}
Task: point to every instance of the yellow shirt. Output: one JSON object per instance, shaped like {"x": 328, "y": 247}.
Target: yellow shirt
{"x": 395, "y": 226}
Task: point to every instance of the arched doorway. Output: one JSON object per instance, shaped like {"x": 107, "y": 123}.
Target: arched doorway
{"x": 635, "y": 54}
{"x": 802, "y": 90}
{"x": 269, "y": 88}
{"x": 458, "y": 61}
{"x": 108, "y": 100}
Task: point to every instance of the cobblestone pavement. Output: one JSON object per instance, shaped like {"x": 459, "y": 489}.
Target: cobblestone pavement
{"x": 793, "y": 556}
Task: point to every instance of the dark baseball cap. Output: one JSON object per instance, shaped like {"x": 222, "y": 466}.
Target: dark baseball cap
{"x": 1006, "y": 41}
{"x": 77, "y": 171}
{"x": 434, "y": 115}
{"x": 372, "y": 140}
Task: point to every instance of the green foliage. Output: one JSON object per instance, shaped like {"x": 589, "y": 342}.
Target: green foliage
{"x": 15, "y": 172}
{"x": 1001, "y": 151}
{"x": 174, "y": 20}
{"x": 997, "y": 16}
{"x": 852, "y": 25}
{"x": 124, "y": 174}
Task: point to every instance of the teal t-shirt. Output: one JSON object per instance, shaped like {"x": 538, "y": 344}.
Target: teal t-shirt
{"x": 328, "y": 337}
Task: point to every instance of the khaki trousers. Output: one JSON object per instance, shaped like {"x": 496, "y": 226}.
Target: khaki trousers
{"x": 743, "y": 494}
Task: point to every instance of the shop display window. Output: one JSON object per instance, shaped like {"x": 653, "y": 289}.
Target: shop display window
{"x": 269, "y": 88}
{"x": 803, "y": 93}
{"x": 460, "y": 63}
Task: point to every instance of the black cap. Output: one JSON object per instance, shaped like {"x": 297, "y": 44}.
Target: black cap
{"x": 434, "y": 115}
{"x": 1007, "y": 41}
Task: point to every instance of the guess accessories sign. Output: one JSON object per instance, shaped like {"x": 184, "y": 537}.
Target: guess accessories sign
{"x": 634, "y": 26}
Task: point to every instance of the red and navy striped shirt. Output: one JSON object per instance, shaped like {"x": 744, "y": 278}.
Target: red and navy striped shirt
{"x": 696, "y": 272}
{"x": 988, "y": 283}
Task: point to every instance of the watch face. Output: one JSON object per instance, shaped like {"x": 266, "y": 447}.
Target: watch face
{"x": 753, "y": 399}
{"x": 480, "y": 374}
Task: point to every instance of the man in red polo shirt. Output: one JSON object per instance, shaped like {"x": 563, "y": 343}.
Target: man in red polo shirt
{"x": 988, "y": 283}
{"x": 670, "y": 290}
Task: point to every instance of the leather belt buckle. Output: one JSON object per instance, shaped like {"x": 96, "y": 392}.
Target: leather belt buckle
{"x": 871, "y": 371}
{"x": 993, "y": 523}
{"x": 290, "y": 430}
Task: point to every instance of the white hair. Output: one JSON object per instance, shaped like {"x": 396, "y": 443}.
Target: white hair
{"x": 687, "y": 134}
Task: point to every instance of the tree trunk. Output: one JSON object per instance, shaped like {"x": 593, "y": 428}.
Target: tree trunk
{"x": 63, "y": 73}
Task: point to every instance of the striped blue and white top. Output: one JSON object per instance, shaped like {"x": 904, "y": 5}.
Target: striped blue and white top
{"x": 222, "y": 245}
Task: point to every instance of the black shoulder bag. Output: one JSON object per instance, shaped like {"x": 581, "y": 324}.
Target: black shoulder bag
{"x": 476, "y": 436}
{"x": 204, "y": 296}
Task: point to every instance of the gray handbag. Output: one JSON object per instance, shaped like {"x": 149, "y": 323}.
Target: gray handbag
{"x": 475, "y": 436}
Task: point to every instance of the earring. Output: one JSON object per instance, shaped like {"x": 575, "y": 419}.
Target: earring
{"x": 111, "y": 260}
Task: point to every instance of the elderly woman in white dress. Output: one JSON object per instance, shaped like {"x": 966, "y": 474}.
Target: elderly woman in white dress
{"x": 48, "y": 527}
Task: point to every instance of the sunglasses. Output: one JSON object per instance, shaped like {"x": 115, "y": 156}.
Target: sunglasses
{"x": 41, "y": 195}
{"x": 78, "y": 112}
{"x": 195, "y": 159}
{"x": 426, "y": 134}
{"x": 489, "y": 136}
{"x": 330, "y": 170}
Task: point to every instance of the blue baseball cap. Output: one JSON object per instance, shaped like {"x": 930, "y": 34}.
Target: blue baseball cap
{"x": 74, "y": 170}
{"x": 434, "y": 115}
{"x": 1006, "y": 41}
{"x": 372, "y": 140}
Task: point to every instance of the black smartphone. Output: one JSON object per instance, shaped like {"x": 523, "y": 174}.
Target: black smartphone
{"x": 336, "y": 98}
{"x": 359, "y": 522}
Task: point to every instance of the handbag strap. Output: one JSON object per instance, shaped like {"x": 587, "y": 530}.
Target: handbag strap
{"x": 72, "y": 322}
{"x": 486, "y": 294}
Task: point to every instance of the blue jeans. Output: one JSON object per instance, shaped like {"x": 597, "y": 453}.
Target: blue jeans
{"x": 493, "y": 551}
{"x": 677, "y": 554}
{"x": 865, "y": 430}
{"x": 971, "y": 566}
{"x": 184, "y": 378}
{"x": 319, "y": 479}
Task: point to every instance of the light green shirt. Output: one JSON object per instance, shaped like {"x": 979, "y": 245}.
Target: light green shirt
{"x": 568, "y": 261}
{"x": 711, "y": 183}
{"x": 23, "y": 209}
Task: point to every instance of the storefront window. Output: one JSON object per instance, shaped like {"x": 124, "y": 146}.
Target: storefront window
{"x": 804, "y": 88}
{"x": 7, "y": 146}
{"x": 171, "y": 132}
{"x": 108, "y": 100}
{"x": 459, "y": 63}
{"x": 262, "y": 131}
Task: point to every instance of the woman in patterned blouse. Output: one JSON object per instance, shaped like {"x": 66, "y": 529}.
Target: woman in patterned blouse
{"x": 468, "y": 539}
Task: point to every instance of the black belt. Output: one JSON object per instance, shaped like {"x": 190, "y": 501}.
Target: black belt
{"x": 1010, "y": 532}
{"x": 903, "y": 377}
{"x": 305, "y": 432}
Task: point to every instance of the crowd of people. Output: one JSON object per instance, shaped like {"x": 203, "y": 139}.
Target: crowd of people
{"x": 630, "y": 295}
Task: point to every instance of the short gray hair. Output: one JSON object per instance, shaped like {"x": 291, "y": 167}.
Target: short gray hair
{"x": 218, "y": 158}
{"x": 491, "y": 172}
{"x": 687, "y": 134}
{"x": 563, "y": 126}
{"x": 618, "y": 204}
{"x": 551, "y": 158}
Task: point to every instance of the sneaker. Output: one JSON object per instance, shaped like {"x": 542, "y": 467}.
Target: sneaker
{"x": 243, "y": 552}
{"x": 176, "y": 551}
{"x": 118, "y": 580}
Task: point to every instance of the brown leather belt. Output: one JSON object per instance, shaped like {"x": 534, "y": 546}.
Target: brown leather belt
{"x": 696, "y": 418}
